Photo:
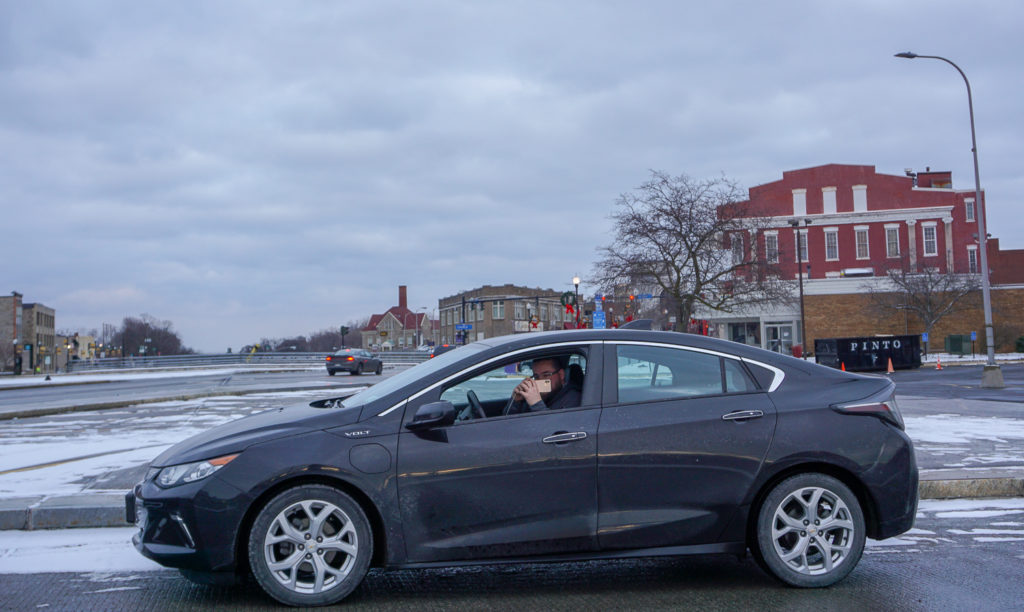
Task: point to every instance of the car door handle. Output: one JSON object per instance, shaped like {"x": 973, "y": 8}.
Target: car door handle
{"x": 742, "y": 415}
{"x": 565, "y": 437}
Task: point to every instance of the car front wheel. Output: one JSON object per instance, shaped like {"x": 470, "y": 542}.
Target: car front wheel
{"x": 310, "y": 546}
{"x": 810, "y": 531}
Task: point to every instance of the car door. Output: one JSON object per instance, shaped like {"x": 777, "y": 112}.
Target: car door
{"x": 505, "y": 486}
{"x": 682, "y": 437}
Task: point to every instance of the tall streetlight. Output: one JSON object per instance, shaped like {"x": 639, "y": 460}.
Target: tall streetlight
{"x": 800, "y": 276}
{"x": 992, "y": 375}
{"x": 576, "y": 284}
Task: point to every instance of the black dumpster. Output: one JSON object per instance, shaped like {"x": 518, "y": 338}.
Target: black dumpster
{"x": 869, "y": 352}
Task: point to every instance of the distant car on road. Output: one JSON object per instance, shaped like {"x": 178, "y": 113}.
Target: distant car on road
{"x": 354, "y": 361}
{"x": 646, "y": 444}
{"x": 441, "y": 349}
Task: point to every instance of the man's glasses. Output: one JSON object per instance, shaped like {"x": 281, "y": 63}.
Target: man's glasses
{"x": 548, "y": 374}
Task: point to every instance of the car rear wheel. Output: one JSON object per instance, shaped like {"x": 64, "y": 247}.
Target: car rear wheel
{"x": 380, "y": 368}
{"x": 330, "y": 372}
{"x": 310, "y": 546}
{"x": 810, "y": 531}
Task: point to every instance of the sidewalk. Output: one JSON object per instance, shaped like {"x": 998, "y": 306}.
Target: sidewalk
{"x": 959, "y": 455}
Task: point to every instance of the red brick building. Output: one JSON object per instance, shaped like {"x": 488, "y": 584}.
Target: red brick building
{"x": 854, "y": 224}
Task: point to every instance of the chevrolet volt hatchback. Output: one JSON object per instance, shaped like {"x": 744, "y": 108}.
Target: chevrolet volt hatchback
{"x": 672, "y": 444}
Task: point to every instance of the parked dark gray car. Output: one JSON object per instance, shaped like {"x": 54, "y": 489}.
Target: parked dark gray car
{"x": 354, "y": 361}
{"x": 665, "y": 444}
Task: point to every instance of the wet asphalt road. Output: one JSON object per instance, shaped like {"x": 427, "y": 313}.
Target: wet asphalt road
{"x": 952, "y": 561}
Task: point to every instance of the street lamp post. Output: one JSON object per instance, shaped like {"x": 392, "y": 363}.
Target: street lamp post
{"x": 800, "y": 277}
{"x": 992, "y": 375}
{"x": 576, "y": 303}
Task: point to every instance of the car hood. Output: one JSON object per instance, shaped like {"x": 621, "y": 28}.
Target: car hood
{"x": 236, "y": 436}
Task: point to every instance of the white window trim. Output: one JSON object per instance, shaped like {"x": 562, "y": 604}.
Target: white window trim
{"x": 867, "y": 243}
{"x": 977, "y": 263}
{"x": 860, "y": 198}
{"x": 799, "y": 202}
{"x": 767, "y": 254}
{"x": 834, "y": 231}
{"x": 896, "y": 227}
{"x": 828, "y": 198}
{"x": 924, "y": 240}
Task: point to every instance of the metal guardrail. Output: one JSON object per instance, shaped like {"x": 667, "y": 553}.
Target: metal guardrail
{"x": 228, "y": 359}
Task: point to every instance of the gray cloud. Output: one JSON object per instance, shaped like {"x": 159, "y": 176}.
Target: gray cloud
{"x": 246, "y": 168}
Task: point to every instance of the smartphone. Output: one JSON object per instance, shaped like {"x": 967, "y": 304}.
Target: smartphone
{"x": 543, "y": 385}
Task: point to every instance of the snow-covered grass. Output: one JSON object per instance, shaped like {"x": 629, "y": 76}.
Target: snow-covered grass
{"x": 63, "y": 454}
{"x": 109, "y": 376}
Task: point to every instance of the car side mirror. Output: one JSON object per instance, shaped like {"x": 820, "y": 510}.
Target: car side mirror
{"x": 434, "y": 414}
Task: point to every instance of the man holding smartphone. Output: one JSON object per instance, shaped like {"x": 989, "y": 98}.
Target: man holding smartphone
{"x": 545, "y": 390}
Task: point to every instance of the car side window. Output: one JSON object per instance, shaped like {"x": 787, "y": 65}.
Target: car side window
{"x": 650, "y": 373}
{"x": 493, "y": 388}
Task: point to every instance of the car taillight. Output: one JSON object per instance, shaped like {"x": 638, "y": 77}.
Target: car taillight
{"x": 328, "y": 358}
{"x": 882, "y": 405}
{"x": 350, "y": 359}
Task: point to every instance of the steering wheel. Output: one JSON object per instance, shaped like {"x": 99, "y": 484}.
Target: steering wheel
{"x": 474, "y": 402}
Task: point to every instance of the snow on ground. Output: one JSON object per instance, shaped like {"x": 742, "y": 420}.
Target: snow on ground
{"x": 1010, "y": 527}
{"x": 107, "y": 376}
{"x": 63, "y": 454}
{"x": 72, "y": 550}
{"x": 967, "y": 442}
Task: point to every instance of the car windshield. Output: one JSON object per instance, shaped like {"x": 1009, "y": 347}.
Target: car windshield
{"x": 396, "y": 382}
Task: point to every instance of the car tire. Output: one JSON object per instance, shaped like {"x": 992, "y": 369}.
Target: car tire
{"x": 810, "y": 531}
{"x": 310, "y": 545}
{"x": 358, "y": 371}
{"x": 330, "y": 372}
{"x": 380, "y": 368}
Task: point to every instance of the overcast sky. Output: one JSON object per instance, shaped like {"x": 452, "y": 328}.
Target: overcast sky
{"x": 248, "y": 169}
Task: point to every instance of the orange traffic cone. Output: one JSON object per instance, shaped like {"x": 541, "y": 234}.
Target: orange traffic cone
{"x": 889, "y": 370}
{"x": 938, "y": 363}
{"x": 842, "y": 366}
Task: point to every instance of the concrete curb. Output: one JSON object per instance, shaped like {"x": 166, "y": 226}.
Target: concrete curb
{"x": 107, "y": 509}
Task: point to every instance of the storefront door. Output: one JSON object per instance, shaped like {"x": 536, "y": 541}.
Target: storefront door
{"x": 779, "y": 337}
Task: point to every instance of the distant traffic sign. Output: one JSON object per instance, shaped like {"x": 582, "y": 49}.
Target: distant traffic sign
{"x": 599, "y": 321}
{"x": 463, "y": 326}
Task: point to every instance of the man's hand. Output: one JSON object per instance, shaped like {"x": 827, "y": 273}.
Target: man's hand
{"x": 527, "y": 391}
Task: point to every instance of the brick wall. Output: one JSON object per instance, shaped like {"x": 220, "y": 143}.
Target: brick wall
{"x": 837, "y": 316}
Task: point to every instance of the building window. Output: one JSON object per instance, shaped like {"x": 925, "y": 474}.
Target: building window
{"x": 931, "y": 246}
{"x": 498, "y": 309}
{"x": 969, "y": 209}
{"x": 799, "y": 202}
{"x": 860, "y": 198}
{"x": 828, "y": 198}
{"x": 892, "y": 242}
{"x": 861, "y": 235}
{"x": 832, "y": 244}
{"x": 737, "y": 249}
{"x": 543, "y": 312}
{"x": 771, "y": 247}
{"x": 520, "y": 311}
{"x": 479, "y": 311}
{"x": 972, "y": 259}
{"x": 801, "y": 245}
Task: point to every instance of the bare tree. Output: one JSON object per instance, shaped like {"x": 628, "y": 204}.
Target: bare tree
{"x": 147, "y": 335}
{"x": 687, "y": 241}
{"x": 928, "y": 293}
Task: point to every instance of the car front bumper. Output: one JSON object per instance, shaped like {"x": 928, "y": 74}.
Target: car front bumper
{"x": 191, "y": 527}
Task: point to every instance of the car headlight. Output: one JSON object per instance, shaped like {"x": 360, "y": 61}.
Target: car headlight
{"x": 175, "y": 475}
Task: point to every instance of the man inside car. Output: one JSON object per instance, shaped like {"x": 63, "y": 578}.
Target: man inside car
{"x": 529, "y": 396}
